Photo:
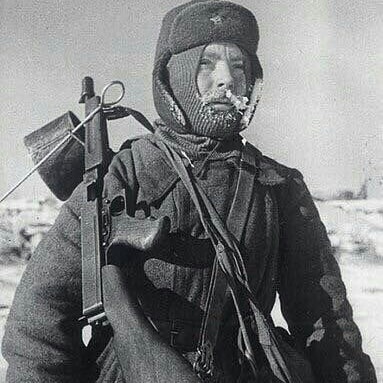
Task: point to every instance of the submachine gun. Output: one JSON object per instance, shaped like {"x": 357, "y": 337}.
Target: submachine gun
{"x": 66, "y": 152}
{"x": 99, "y": 214}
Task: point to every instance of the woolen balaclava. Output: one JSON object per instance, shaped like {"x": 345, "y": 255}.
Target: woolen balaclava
{"x": 186, "y": 30}
{"x": 201, "y": 117}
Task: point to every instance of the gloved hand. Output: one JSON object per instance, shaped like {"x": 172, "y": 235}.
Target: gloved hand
{"x": 144, "y": 356}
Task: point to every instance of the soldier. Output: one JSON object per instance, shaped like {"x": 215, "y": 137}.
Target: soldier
{"x": 206, "y": 83}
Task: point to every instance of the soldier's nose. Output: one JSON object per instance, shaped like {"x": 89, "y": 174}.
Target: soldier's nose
{"x": 224, "y": 78}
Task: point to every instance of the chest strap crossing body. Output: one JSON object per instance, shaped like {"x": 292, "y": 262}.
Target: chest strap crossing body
{"x": 229, "y": 270}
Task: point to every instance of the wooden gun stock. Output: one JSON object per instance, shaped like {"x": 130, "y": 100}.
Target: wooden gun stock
{"x": 143, "y": 355}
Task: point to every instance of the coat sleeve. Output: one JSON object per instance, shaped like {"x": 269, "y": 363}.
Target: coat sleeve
{"x": 312, "y": 293}
{"x": 42, "y": 340}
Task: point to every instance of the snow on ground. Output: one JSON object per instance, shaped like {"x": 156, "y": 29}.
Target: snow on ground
{"x": 10, "y": 275}
{"x": 355, "y": 226}
{"x": 355, "y": 229}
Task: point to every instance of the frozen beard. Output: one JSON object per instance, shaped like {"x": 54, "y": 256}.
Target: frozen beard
{"x": 202, "y": 119}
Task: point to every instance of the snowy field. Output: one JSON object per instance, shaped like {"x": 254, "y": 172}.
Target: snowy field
{"x": 356, "y": 232}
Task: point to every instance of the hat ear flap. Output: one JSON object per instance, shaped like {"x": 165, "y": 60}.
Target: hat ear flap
{"x": 255, "y": 95}
{"x": 163, "y": 99}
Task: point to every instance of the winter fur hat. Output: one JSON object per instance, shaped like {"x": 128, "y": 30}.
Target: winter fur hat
{"x": 199, "y": 23}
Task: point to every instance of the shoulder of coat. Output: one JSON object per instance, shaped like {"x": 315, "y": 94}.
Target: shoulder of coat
{"x": 272, "y": 172}
{"x": 142, "y": 150}
{"x": 134, "y": 141}
{"x": 153, "y": 172}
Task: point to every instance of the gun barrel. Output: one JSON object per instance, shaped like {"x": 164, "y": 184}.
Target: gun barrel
{"x": 87, "y": 89}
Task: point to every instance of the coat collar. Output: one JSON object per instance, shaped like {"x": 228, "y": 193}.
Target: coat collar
{"x": 156, "y": 176}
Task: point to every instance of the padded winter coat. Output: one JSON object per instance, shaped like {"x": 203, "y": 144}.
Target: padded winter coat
{"x": 285, "y": 247}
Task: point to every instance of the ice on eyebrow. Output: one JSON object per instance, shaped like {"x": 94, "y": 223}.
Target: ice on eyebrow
{"x": 209, "y": 55}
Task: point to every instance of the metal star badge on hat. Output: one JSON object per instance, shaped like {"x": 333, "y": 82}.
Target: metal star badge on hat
{"x": 217, "y": 19}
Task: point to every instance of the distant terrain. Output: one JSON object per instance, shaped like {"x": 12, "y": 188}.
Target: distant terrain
{"x": 355, "y": 228}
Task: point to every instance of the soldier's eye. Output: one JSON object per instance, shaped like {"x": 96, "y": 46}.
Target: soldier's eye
{"x": 205, "y": 62}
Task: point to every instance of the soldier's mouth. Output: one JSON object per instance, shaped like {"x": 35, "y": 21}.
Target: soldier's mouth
{"x": 224, "y": 100}
{"x": 221, "y": 105}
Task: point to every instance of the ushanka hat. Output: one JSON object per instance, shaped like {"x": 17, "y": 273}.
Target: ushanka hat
{"x": 197, "y": 24}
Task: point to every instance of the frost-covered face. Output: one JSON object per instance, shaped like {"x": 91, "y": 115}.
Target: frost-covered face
{"x": 211, "y": 84}
{"x": 221, "y": 77}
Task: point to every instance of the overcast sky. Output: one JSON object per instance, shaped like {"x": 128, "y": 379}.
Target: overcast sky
{"x": 321, "y": 110}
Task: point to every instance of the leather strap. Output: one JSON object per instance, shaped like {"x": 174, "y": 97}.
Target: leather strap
{"x": 240, "y": 207}
{"x": 236, "y": 222}
{"x": 243, "y": 298}
{"x": 231, "y": 263}
{"x": 180, "y": 334}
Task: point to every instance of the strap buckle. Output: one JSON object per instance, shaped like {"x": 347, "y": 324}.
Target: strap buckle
{"x": 203, "y": 365}
{"x": 174, "y": 331}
